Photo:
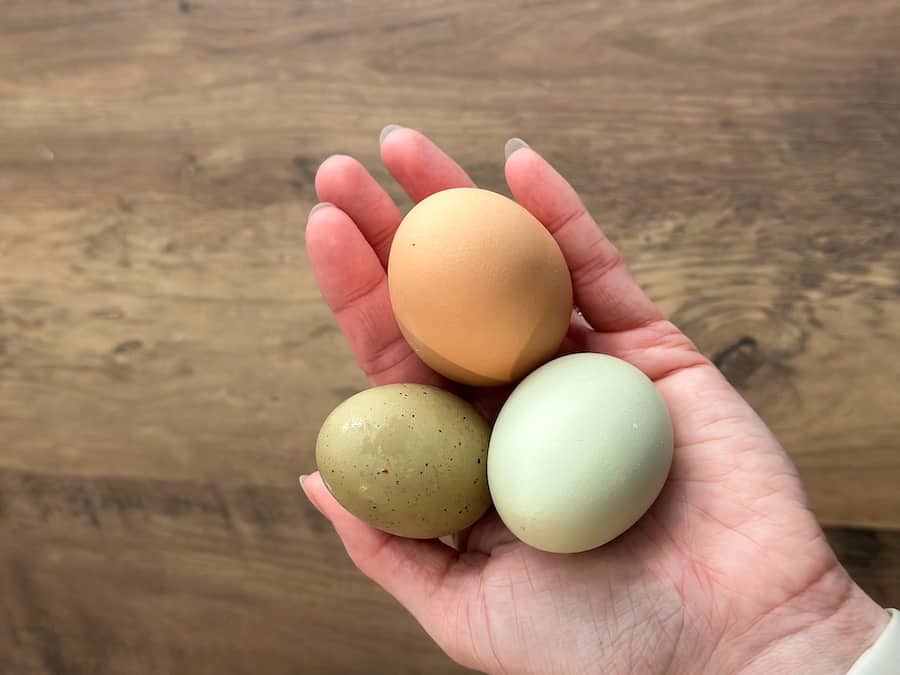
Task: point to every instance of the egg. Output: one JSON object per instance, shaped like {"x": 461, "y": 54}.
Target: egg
{"x": 579, "y": 452}
{"x": 408, "y": 459}
{"x": 479, "y": 287}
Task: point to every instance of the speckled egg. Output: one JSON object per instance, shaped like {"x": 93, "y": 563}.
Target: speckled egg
{"x": 408, "y": 459}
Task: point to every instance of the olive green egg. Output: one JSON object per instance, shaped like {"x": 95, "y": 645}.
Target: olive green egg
{"x": 408, "y": 459}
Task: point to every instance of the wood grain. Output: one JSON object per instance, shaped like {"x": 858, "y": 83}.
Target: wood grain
{"x": 119, "y": 575}
{"x": 165, "y": 358}
{"x": 872, "y": 558}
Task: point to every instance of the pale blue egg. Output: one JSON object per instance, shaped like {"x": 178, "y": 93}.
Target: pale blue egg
{"x": 579, "y": 452}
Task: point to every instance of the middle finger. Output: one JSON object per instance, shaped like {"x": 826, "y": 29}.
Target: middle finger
{"x": 420, "y": 166}
{"x": 347, "y": 184}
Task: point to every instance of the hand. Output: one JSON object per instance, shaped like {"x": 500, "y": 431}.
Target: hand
{"x": 728, "y": 572}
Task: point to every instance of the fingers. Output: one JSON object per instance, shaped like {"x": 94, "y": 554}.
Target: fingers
{"x": 421, "y": 575}
{"x": 349, "y": 238}
{"x": 604, "y": 289}
{"x": 658, "y": 348}
{"x": 419, "y": 165}
{"x": 354, "y": 285}
{"x": 346, "y": 183}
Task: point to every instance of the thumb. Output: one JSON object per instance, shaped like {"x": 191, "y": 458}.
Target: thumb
{"x": 422, "y": 575}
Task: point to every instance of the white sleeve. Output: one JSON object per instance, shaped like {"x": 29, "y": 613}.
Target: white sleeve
{"x": 882, "y": 658}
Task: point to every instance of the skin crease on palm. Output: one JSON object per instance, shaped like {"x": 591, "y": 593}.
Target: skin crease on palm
{"x": 728, "y": 572}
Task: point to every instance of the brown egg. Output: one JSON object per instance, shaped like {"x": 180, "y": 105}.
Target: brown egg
{"x": 479, "y": 287}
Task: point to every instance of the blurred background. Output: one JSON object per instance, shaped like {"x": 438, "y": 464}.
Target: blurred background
{"x": 165, "y": 357}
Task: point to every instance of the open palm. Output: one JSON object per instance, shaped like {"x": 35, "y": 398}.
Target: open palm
{"x": 728, "y": 572}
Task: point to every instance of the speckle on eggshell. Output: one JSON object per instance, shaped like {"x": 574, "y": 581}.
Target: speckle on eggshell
{"x": 436, "y": 495}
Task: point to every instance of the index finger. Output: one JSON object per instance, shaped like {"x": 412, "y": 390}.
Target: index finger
{"x": 419, "y": 165}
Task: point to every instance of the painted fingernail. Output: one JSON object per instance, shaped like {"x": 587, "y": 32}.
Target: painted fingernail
{"x": 512, "y": 145}
{"x": 387, "y": 131}
{"x": 318, "y": 207}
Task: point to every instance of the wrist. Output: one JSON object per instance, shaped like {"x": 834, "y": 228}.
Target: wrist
{"x": 814, "y": 634}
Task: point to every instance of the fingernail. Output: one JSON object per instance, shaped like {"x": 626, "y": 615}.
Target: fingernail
{"x": 387, "y": 131}
{"x": 318, "y": 207}
{"x": 309, "y": 496}
{"x": 512, "y": 145}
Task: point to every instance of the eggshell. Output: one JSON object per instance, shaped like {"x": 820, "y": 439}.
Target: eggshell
{"x": 408, "y": 459}
{"x": 479, "y": 287}
{"x": 579, "y": 452}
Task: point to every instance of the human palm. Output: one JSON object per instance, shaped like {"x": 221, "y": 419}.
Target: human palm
{"x": 728, "y": 572}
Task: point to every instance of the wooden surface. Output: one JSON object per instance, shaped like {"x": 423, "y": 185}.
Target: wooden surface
{"x": 165, "y": 359}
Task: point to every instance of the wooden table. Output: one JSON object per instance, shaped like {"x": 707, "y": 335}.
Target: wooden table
{"x": 165, "y": 358}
